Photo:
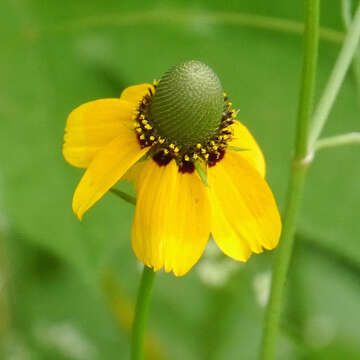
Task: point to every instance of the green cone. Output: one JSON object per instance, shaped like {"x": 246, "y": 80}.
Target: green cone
{"x": 188, "y": 104}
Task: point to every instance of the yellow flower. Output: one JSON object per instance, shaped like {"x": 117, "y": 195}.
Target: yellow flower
{"x": 130, "y": 138}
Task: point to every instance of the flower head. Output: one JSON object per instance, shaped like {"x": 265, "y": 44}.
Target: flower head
{"x": 196, "y": 169}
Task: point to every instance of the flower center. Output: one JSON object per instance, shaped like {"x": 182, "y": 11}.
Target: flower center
{"x": 187, "y": 119}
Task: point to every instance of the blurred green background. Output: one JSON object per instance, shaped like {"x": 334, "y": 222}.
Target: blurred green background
{"x": 67, "y": 288}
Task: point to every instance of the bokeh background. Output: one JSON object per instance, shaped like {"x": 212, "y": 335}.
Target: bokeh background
{"x": 67, "y": 289}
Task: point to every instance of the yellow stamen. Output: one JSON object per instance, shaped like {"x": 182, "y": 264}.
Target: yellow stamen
{"x": 148, "y": 127}
{"x": 186, "y": 158}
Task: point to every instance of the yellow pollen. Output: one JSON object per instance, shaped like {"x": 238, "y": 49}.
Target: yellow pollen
{"x": 186, "y": 158}
{"x": 165, "y": 151}
{"x": 215, "y": 147}
{"x": 144, "y": 121}
{"x": 152, "y": 138}
{"x": 142, "y": 137}
{"x": 138, "y": 130}
{"x": 212, "y": 142}
{"x": 161, "y": 141}
{"x": 195, "y": 156}
{"x": 176, "y": 150}
{"x": 229, "y": 104}
{"x": 172, "y": 146}
{"x": 206, "y": 156}
{"x": 203, "y": 151}
{"x": 198, "y": 146}
{"x": 148, "y": 127}
{"x": 225, "y": 94}
{"x": 142, "y": 117}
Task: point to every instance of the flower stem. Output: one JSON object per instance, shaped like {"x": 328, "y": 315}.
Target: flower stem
{"x": 297, "y": 179}
{"x": 141, "y": 312}
{"x": 123, "y": 195}
{"x": 336, "y": 79}
{"x": 338, "y": 140}
{"x": 347, "y": 19}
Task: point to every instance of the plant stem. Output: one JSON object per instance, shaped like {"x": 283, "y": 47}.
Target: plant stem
{"x": 141, "y": 312}
{"x": 338, "y": 140}
{"x": 123, "y": 195}
{"x": 272, "y": 316}
{"x": 297, "y": 179}
{"x": 161, "y": 17}
{"x": 336, "y": 79}
{"x": 308, "y": 78}
{"x": 347, "y": 19}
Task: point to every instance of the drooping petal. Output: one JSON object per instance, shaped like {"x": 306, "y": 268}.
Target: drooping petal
{"x": 135, "y": 93}
{"x": 109, "y": 165}
{"x": 93, "y": 125}
{"x": 132, "y": 175}
{"x": 245, "y": 216}
{"x": 243, "y": 139}
{"x": 172, "y": 218}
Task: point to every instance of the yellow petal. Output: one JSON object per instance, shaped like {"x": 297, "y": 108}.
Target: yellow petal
{"x": 135, "y": 93}
{"x": 109, "y": 165}
{"x": 93, "y": 125}
{"x": 132, "y": 175}
{"x": 172, "y": 218}
{"x": 245, "y": 216}
{"x": 243, "y": 139}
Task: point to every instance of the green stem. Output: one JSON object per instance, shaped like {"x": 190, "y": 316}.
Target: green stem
{"x": 4, "y": 299}
{"x": 338, "y": 140}
{"x": 308, "y": 78}
{"x": 346, "y": 13}
{"x": 141, "y": 312}
{"x": 297, "y": 179}
{"x": 123, "y": 195}
{"x": 336, "y": 79}
{"x": 347, "y": 19}
{"x": 184, "y": 17}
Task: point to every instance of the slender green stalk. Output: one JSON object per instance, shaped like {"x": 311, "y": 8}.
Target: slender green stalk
{"x": 4, "y": 300}
{"x": 346, "y": 13}
{"x": 141, "y": 312}
{"x": 184, "y": 17}
{"x": 338, "y": 140}
{"x": 308, "y": 78}
{"x": 123, "y": 195}
{"x": 336, "y": 79}
{"x": 296, "y": 184}
{"x": 347, "y": 19}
